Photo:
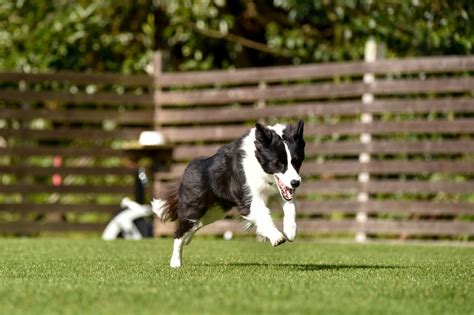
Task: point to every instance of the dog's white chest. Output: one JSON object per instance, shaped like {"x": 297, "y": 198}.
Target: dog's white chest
{"x": 264, "y": 187}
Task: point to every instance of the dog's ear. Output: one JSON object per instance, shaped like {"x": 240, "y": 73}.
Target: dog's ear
{"x": 263, "y": 134}
{"x": 298, "y": 130}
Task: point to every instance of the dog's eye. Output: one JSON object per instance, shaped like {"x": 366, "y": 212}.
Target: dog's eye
{"x": 296, "y": 163}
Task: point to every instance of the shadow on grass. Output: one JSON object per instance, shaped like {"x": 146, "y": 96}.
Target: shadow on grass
{"x": 306, "y": 267}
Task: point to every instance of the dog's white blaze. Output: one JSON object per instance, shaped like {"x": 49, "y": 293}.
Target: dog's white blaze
{"x": 290, "y": 174}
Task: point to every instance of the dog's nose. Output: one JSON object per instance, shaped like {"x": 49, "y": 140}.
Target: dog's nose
{"x": 295, "y": 183}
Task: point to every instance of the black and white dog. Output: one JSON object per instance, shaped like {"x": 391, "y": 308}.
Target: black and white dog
{"x": 242, "y": 174}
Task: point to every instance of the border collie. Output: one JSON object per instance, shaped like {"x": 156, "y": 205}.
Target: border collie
{"x": 242, "y": 174}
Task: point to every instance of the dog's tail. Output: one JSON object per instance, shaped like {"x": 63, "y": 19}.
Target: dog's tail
{"x": 167, "y": 209}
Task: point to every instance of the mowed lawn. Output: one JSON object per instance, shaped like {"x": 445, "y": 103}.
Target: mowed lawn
{"x": 58, "y": 276}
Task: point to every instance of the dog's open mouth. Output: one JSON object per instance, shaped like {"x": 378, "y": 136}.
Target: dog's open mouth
{"x": 286, "y": 192}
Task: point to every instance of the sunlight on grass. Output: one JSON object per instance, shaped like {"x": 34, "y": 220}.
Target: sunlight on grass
{"x": 232, "y": 277}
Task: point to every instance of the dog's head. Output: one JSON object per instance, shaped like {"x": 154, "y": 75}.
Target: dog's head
{"x": 280, "y": 152}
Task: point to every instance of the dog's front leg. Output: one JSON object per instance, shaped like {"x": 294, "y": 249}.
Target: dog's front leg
{"x": 289, "y": 220}
{"x": 260, "y": 216}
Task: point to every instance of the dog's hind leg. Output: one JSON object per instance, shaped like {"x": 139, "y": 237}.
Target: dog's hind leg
{"x": 177, "y": 253}
{"x": 183, "y": 231}
{"x": 189, "y": 235}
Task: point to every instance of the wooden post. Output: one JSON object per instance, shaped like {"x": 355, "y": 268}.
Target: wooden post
{"x": 371, "y": 54}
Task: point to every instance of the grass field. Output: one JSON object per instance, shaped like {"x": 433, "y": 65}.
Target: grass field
{"x": 49, "y": 276}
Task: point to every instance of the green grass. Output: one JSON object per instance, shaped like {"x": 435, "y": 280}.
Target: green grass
{"x": 49, "y": 276}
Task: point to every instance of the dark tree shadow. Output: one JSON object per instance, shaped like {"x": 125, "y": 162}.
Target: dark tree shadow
{"x": 306, "y": 267}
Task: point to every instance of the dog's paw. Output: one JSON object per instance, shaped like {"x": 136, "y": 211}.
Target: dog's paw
{"x": 290, "y": 231}
{"x": 175, "y": 263}
{"x": 278, "y": 240}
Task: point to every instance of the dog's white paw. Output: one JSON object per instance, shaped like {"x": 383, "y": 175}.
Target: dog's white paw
{"x": 277, "y": 239}
{"x": 175, "y": 263}
{"x": 290, "y": 231}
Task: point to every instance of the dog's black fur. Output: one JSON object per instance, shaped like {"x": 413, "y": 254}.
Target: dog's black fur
{"x": 214, "y": 181}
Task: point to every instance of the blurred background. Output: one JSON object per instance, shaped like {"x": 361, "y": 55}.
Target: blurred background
{"x": 121, "y": 36}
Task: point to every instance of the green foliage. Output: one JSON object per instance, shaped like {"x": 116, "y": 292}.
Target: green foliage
{"x": 76, "y": 35}
{"x": 121, "y": 35}
{"x": 300, "y": 31}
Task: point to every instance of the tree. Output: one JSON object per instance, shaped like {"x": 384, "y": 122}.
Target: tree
{"x": 121, "y": 35}
{"x": 242, "y": 33}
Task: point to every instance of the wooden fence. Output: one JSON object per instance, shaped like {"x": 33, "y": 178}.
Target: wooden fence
{"x": 393, "y": 155}
{"x": 62, "y": 163}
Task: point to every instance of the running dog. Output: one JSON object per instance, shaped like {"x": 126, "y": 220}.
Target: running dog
{"x": 242, "y": 174}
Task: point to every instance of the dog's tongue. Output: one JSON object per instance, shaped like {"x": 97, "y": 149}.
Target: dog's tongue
{"x": 287, "y": 193}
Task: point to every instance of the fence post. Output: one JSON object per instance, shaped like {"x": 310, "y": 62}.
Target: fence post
{"x": 372, "y": 53}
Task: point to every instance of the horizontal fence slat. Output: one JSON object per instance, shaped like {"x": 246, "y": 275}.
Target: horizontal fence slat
{"x": 195, "y": 134}
{"x": 317, "y": 71}
{"x": 109, "y": 98}
{"x": 82, "y": 116}
{"x": 384, "y": 206}
{"x": 226, "y": 133}
{"x": 78, "y": 78}
{"x": 38, "y": 227}
{"x": 94, "y": 151}
{"x": 388, "y": 227}
{"x": 314, "y": 91}
{"x": 304, "y": 207}
{"x": 348, "y": 226}
{"x": 69, "y": 133}
{"x": 22, "y": 170}
{"x": 255, "y": 75}
{"x": 333, "y": 168}
{"x": 67, "y": 189}
{"x": 390, "y": 147}
{"x": 187, "y": 152}
{"x": 387, "y": 167}
{"x": 58, "y": 207}
{"x": 386, "y": 186}
{"x": 393, "y": 127}
{"x": 244, "y": 114}
{"x": 304, "y": 227}
{"x": 431, "y": 227}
